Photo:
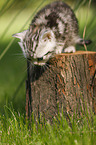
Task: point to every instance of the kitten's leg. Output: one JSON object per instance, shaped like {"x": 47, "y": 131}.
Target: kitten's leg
{"x": 70, "y": 49}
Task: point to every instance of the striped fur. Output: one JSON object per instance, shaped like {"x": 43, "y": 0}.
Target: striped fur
{"x": 53, "y": 30}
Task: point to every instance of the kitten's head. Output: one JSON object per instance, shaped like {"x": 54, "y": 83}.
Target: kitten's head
{"x": 38, "y": 46}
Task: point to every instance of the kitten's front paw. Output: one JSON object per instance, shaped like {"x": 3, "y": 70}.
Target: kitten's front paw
{"x": 69, "y": 49}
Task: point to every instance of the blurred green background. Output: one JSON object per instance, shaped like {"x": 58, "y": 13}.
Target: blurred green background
{"x": 15, "y": 16}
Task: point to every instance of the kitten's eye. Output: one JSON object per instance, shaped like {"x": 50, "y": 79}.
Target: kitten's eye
{"x": 39, "y": 59}
{"x": 46, "y": 36}
{"x": 45, "y": 40}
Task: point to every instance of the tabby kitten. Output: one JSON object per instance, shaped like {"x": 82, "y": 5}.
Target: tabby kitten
{"x": 53, "y": 30}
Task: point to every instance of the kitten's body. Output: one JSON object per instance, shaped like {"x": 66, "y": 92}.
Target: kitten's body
{"x": 52, "y": 31}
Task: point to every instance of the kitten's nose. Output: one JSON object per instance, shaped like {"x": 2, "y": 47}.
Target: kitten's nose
{"x": 39, "y": 59}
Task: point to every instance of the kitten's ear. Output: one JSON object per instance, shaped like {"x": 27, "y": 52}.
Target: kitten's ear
{"x": 47, "y": 35}
{"x": 20, "y": 35}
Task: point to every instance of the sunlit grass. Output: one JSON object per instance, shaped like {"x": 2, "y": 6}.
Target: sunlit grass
{"x": 15, "y": 129}
{"x": 15, "y": 20}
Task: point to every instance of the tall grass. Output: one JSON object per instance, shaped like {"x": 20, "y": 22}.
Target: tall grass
{"x": 15, "y": 129}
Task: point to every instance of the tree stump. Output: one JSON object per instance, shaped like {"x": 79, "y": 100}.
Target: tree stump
{"x": 67, "y": 81}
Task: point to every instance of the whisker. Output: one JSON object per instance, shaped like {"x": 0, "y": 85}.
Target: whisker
{"x": 20, "y": 58}
{"x": 17, "y": 54}
{"x": 26, "y": 69}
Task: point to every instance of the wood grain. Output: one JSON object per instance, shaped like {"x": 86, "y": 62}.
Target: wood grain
{"x": 68, "y": 81}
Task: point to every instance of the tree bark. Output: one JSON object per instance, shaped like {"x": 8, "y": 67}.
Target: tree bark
{"x": 67, "y": 81}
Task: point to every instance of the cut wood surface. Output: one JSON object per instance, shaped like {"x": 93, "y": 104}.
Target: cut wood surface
{"x": 68, "y": 81}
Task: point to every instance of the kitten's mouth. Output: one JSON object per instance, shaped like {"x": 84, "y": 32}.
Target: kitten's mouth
{"x": 40, "y": 59}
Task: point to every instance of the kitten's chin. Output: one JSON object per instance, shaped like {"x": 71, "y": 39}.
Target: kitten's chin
{"x": 39, "y": 63}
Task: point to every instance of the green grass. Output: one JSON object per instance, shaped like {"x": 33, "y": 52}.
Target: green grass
{"x": 14, "y": 129}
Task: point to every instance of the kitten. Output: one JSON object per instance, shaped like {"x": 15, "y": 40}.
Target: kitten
{"x": 53, "y": 30}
